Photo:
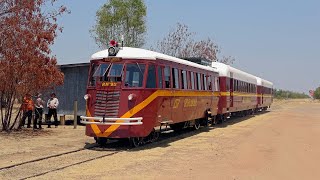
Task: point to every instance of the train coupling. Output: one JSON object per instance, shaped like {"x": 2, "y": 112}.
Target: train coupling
{"x": 111, "y": 121}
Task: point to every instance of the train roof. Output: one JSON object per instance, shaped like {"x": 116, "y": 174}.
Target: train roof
{"x": 138, "y": 53}
{"x": 226, "y": 70}
{"x": 265, "y": 83}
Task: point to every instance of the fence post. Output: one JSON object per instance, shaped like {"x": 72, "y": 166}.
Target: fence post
{"x": 75, "y": 110}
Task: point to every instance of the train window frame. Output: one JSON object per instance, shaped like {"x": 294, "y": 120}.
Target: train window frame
{"x": 160, "y": 76}
{"x": 116, "y": 77}
{"x": 153, "y": 82}
{"x": 142, "y": 72}
{"x": 175, "y": 78}
{"x": 184, "y": 80}
{"x": 209, "y": 82}
{"x": 167, "y": 71}
{"x": 92, "y": 82}
{"x": 192, "y": 80}
{"x": 237, "y": 85}
{"x": 101, "y": 74}
{"x": 198, "y": 79}
{"x": 205, "y": 84}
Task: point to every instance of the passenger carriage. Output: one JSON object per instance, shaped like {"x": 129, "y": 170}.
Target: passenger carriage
{"x": 132, "y": 92}
{"x": 238, "y": 91}
{"x": 264, "y": 94}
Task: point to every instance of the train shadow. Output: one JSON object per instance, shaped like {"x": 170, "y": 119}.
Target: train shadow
{"x": 167, "y": 137}
{"x": 237, "y": 119}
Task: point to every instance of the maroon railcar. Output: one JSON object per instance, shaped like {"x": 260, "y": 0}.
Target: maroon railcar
{"x": 132, "y": 92}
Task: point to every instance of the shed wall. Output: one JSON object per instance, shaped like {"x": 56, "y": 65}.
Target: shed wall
{"x": 74, "y": 88}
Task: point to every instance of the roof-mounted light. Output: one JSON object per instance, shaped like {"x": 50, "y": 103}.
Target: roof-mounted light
{"x": 114, "y": 48}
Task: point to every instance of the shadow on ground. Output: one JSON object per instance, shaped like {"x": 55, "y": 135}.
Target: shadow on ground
{"x": 166, "y": 138}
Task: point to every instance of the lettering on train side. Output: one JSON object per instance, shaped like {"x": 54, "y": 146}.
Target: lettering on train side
{"x": 176, "y": 103}
{"x": 109, "y": 84}
{"x": 190, "y": 103}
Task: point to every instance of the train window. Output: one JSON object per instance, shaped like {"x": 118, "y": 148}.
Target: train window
{"x": 151, "y": 80}
{"x": 160, "y": 76}
{"x": 243, "y": 87}
{"x": 92, "y": 80}
{"x": 175, "y": 78}
{"x": 209, "y": 82}
{"x": 204, "y": 79}
{"x": 115, "y": 72}
{"x": 134, "y": 75}
{"x": 167, "y": 77}
{"x": 102, "y": 70}
{"x": 217, "y": 84}
{"x": 227, "y": 84}
{"x": 236, "y": 86}
{"x": 199, "y": 81}
{"x": 214, "y": 83}
{"x": 192, "y": 80}
{"x": 184, "y": 79}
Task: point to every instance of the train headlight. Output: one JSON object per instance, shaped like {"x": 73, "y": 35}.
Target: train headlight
{"x": 86, "y": 97}
{"x": 113, "y": 49}
{"x": 131, "y": 97}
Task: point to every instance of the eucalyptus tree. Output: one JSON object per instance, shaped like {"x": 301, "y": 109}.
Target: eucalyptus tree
{"x": 121, "y": 18}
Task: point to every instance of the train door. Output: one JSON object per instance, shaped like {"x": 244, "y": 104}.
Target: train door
{"x": 262, "y": 94}
{"x": 175, "y": 100}
{"x": 231, "y": 89}
{"x": 165, "y": 110}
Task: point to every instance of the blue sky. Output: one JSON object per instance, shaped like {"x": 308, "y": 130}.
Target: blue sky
{"x": 276, "y": 40}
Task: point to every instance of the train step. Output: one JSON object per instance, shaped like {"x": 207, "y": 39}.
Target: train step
{"x": 165, "y": 124}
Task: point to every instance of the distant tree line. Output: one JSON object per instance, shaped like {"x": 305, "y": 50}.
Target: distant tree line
{"x": 316, "y": 94}
{"x": 283, "y": 94}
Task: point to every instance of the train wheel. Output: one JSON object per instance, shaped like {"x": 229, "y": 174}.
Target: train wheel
{"x": 196, "y": 125}
{"x": 154, "y": 135}
{"x": 136, "y": 141}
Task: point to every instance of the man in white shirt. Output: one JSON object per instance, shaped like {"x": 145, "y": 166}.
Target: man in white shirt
{"x": 52, "y": 105}
{"x": 39, "y": 104}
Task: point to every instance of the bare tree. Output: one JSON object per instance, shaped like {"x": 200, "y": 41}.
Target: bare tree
{"x": 180, "y": 42}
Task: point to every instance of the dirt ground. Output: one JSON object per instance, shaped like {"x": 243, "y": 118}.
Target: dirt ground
{"x": 280, "y": 144}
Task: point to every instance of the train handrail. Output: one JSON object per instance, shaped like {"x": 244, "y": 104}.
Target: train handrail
{"x": 106, "y": 121}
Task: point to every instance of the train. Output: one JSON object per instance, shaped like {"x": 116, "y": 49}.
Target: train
{"x": 136, "y": 94}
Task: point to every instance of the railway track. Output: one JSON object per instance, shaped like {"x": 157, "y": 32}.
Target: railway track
{"x": 44, "y": 165}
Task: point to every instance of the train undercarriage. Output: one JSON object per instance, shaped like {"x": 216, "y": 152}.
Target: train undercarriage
{"x": 167, "y": 127}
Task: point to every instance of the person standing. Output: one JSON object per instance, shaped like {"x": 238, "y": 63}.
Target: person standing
{"x": 52, "y": 105}
{"x": 27, "y": 108}
{"x": 39, "y": 104}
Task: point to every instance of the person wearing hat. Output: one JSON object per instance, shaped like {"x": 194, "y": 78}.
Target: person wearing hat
{"x": 39, "y": 104}
{"x": 52, "y": 105}
{"x": 27, "y": 108}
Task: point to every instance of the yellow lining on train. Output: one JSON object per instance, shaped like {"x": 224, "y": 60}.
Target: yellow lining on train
{"x": 144, "y": 103}
{"x": 147, "y": 101}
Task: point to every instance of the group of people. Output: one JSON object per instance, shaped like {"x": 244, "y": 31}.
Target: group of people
{"x": 28, "y": 106}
